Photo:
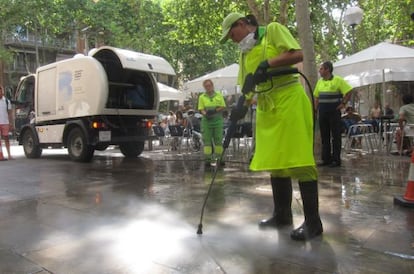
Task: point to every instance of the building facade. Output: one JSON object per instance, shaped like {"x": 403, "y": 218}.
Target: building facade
{"x": 29, "y": 52}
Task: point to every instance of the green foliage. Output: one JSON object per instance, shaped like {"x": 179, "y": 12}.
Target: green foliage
{"x": 386, "y": 21}
{"x": 5, "y": 55}
{"x": 193, "y": 39}
{"x": 186, "y": 32}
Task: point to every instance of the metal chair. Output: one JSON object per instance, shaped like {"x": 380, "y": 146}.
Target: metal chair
{"x": 193, "y": 137}
{"x": 160, "y": 133}
{"x": 386, "y": 132}
{"x": 176, "y": 137}
{"x": 388, "y": 135}
{"x": 361, "y": 135}
{"x": 243, "y": 136}
{"x": 408, "y": 134}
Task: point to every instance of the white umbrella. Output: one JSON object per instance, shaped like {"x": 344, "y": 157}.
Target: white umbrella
{"x": 224, "y": 79}
{"x": 381, "y": 63}
{"x": 168, "y": 93}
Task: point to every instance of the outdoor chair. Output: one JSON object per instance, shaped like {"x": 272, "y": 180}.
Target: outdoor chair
{"x": 361, "y": 136}
{"x": 176, "y": 137}
{"x": 160, "y": 133}
{"x": 193, "y": 137}
{"x": 407, "y": 136}
{"x": 243, "y": 137}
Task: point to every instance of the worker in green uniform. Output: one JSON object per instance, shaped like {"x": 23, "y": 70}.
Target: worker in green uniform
{"x": 284, "y": 119}
{"x": 211, "y": 104}
{"x": 331, "y": 94}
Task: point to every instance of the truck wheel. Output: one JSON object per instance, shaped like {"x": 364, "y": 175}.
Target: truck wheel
{"x": 30, "y": 145}
{"x": 78, "y": 148}
{"x": 132, "y": 149}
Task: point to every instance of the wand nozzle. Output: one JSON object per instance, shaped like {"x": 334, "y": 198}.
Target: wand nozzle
{"x": 200, "y": 229}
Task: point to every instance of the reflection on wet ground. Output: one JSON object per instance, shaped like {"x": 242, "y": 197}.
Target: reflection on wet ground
{"x": 116, "y": 215}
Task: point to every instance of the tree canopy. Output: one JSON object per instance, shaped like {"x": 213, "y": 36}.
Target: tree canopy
{"x": 186, "y": 32}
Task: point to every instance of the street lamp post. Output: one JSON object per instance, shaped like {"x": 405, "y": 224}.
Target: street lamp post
{"x": 353, "y": 17}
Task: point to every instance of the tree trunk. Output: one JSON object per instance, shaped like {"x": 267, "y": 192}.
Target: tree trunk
{"x": 283, "y": 9}
{"x": 306, "y": 41}
{"x": 262, "y": 14}
{"x": 307, "y": 44}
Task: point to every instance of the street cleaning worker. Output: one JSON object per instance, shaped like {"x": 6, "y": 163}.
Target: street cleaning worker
{"x": 331, "y": 94}
{"x": 210, "y": 105}
{"x": 284, "y": 119}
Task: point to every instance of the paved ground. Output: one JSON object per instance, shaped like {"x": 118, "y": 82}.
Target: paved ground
{"x": 141, "y": 216}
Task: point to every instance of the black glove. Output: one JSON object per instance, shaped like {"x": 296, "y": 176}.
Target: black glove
{"x": 249, "y": 84}
{"x": 210, "y": 112}
{"x": 238, "y": 113}
{"x": 260, "y": 74}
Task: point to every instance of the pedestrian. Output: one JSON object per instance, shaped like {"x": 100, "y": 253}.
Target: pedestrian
{"x": 406, "y": 118}
{"x": 388, "y": 111}
{"x": 6, "y": 123}
{"x": 331, "y": 94}
{"x": 375, "y": 116}
{"x": 193, "y": 123}
{"x": 179, "y": 118}
{"x": 211, "y": 104}
{"x": 171, "y": 118}
{"x": 284, "y": 120}
{"x": 375, "y": 112}
{"x": 350, "y": 118}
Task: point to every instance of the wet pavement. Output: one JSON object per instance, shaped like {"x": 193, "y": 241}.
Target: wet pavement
{"x": 116, "y": 215}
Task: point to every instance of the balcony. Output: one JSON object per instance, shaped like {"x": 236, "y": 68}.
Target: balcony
{"x": 30, "y": 41}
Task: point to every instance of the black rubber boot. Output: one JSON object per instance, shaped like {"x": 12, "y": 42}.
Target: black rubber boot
{"x": 282, "y": 199}
{"x": 312, "y": 226}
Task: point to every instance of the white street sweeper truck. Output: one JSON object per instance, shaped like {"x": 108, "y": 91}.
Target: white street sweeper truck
{"x": 87, "y": 103}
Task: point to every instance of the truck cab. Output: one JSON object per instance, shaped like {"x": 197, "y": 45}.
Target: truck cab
{"x": 87, "y": 103}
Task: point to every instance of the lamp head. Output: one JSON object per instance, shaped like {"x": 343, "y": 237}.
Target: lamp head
{"x": 353, "y": 16}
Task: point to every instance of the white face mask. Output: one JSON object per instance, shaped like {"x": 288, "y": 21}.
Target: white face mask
{"x": 247, "y": 43}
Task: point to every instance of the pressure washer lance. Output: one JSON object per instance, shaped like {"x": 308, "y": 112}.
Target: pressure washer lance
{"x": 240, "y": 108}
{"x": 249, "y": 85}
